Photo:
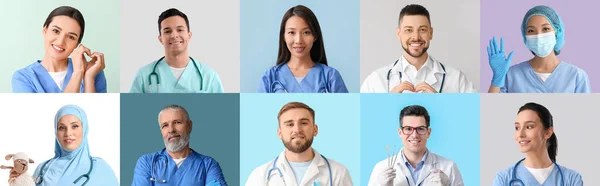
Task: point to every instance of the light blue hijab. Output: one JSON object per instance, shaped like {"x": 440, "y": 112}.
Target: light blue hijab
{"x": 67, "y": 166}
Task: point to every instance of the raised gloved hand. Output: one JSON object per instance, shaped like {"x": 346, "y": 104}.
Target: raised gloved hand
{"x": 386, "y": 177}
{"x": 437, "y": 177}
{"x": 498, "y": 62}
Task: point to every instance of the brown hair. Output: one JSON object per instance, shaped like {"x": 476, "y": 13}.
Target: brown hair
{"x": 294, "y": 105}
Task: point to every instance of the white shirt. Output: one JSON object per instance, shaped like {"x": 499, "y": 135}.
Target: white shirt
{"x": 179, "y": 161}
{"x": 541, "y": 174}
{"x": 431, "y": 73}
{"x": 543, "y": 76}
{"x": 317, "y": 171}
{"x": 433, "y": 161}
{"x": 177, "y": 72}
{"x": 59, "y": 78}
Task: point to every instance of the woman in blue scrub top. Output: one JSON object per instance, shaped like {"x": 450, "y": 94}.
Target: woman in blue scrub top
{"x": 56, "y": 72}
{"x": 534, "y": 134}
{"x": 544, "y": 35}
{"x": 301, "y": 63}
{"x": 72, "y": 163}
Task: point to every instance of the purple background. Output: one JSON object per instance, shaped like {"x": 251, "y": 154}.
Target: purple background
{"x": 502, "y": 18}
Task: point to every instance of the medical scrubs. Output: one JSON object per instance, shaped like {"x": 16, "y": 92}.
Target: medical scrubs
{"x": 36, "y": 79}
{"x": 196, "y": 169}
{"x": 189, "y": 82}
{"x": 566, "y": 78}
{"x": 320, "y": 77}
{"x": 571, "y": 178}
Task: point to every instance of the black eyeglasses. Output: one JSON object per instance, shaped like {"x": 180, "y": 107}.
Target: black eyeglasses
{"x": 409, "y": 130}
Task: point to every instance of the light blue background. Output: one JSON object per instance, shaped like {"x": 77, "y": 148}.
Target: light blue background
{"x": 454, "y": 129}
{"x": 336, "y": 115}
{"x": 259, "y": 37}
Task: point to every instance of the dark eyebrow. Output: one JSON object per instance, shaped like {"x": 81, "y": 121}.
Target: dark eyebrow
{"x": 530, "y": 121}
{"x": 408, "y": 26}
{"x": 72, "y": 33}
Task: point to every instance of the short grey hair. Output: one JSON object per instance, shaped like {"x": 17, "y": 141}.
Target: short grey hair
{"x": 174, "y": 107}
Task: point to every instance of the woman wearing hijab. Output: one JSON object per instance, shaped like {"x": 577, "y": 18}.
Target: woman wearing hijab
{"x": 72, "y": 163}
{"x": 544, "y": 35}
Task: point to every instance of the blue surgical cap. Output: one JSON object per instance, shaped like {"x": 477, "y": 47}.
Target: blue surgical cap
{"x": 553, "y": 18}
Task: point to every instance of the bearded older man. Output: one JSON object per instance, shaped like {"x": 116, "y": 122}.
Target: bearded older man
{"x": 177, "y": 163}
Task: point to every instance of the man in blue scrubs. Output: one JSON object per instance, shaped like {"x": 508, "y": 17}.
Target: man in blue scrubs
{"x": 177, "y": 164}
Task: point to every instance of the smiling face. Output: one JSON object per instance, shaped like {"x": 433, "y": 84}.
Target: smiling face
{"x": 174, "y": 35}
{"x": 415, "y": 142}
{"x": 69, "y": 132}
{"x": 297, "y": 129}
{"x": 530, "y": 134}
{"x": 298, "y": 37}
{"x": 175, "y": 129}
{"x": 61, "y": 37}
{"x": 415, "y": 33}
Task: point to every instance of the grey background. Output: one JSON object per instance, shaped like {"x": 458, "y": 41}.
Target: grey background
{"x": 574, "y": 124}
{"x": 455, "y": 34}
{"x": 215, "y": 27}
{"x": 215, "y": 133}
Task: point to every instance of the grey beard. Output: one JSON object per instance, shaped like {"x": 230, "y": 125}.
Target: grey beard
{"x": 177, "y": 145}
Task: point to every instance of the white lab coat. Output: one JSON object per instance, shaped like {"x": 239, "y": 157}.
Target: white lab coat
{"x": 456, "y": 81}
{"x": 317, "y": 170}
{"x": 433, "y": 161}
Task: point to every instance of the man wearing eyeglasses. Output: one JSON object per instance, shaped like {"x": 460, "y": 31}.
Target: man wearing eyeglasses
{"x": 415, "y": 164}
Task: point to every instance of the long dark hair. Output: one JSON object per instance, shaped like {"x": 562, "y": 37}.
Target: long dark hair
{"x": 546, "y": 118}
{"x": 317, "y": 52}
{"x": 69, "y": 12}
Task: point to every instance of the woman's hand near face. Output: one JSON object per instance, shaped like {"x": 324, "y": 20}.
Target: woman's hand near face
{"x": 78, "y": 59}
{"x": 94, "y": 66}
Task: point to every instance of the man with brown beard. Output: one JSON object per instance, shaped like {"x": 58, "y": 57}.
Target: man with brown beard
{"x": 299, "y": 164}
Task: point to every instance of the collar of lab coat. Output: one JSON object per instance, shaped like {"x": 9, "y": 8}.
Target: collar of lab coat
{"x": 311, "y": 172}
{"x": 433, "y": 65}
{"x": 430, "y": 163}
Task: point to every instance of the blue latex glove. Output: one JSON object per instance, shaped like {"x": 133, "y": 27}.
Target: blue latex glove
{"x": 498, "y": 62}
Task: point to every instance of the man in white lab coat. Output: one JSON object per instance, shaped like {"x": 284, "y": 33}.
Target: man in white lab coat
{"x": 416, "y": 70}
{"x": 415, "y": 164}
{"x": 299, "y": 164}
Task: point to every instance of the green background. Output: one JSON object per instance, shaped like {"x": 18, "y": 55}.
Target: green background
{"x": 215, "y": 133}
{"x": 23, "y": 43}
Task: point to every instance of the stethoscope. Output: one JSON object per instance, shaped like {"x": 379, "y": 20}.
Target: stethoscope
{"x": 154, "y": 178}
{"x": 158, "y": 79}
{"x": 400, "y": 77}
{"x": 275, "y": 81}
{"x": 274, "y": 167}
{"x": 515, "y": 179}
{"x": 161, "y": 179}
{"x": 40, "y": 178}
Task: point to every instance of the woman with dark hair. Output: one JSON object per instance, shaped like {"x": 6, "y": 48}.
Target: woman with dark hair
{"x": 534, "y": 133}
{"x": 301, "y": 63}
{"x": 56, "y": 72}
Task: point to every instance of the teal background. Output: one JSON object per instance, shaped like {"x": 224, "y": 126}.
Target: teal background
{"x": 336, "y": 115}
{"x": 23, "y": 42}
{"x": 454, "y": 129}
{"x": 215, "y": 130}
{"x": 259, "y": 37}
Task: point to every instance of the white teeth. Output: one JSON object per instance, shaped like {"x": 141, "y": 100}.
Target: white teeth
{"x": 57, "y": 48}
{"x": 416, "y": 44}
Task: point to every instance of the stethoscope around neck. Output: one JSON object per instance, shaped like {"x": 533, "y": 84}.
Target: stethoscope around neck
{"x": 517, "y": 180}
{"x": 153, "y": 73}
{"x": 40, "y": 178}
{"x": 400, "y": 76}
{"x": 161, "y": 178}
{"x": 274, "y": 80}
{"x": 274, "y": 168}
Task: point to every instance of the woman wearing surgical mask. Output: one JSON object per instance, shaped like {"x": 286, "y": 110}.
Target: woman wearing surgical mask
{"x": 534, "y": 134}
{"x": 64, "y": 67}
{"x": 72, "y": 162}
{"x": 544, "y": 35}
{"x": 301, "y": 65}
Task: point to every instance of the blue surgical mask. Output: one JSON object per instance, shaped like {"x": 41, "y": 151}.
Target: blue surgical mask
{"x": 542, "y": 44}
